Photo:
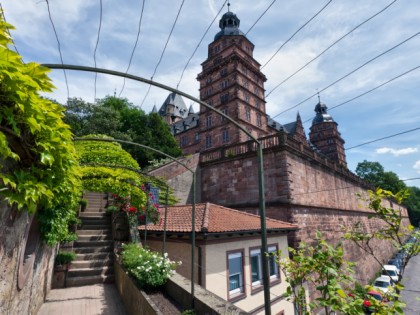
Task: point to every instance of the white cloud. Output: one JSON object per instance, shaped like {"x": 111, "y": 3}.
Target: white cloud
{"x": 396, "y": 152}
{"x": 417, "y": 166}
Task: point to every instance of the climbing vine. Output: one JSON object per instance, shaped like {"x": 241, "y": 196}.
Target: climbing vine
{"x": 39, "y": 170}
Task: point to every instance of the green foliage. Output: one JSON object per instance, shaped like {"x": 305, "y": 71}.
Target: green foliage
{"x": 120, "y": 119}
{"x": 323, "y": 267}
{"x": 39, "y": 166}
{"x": 149, "y": 268}
{"x": 374, "y": 173}
{"x": 188, "y": 312}
{"x": 413, "y": 205}
{"x": 64, "y": 258}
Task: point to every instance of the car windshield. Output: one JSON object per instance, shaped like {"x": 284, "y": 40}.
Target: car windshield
{"x": 389, "y": 273}
{"x": 381, "y": 284}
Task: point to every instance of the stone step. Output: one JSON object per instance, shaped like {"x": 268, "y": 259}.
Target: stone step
{"x": 87, "y": 272}
{"x": 80, "y": 264}
{"x": 95, "y": 221}
{"x": 92, "y": 250}
{"x": 94, "y": 237}
{"x": 94, "y": 256}
{"x": 93, "y": 232}
{"x": 95, "y": 227}
{"x": 80, "y": 281}
{"x": 89, "y": 214}
{"x": 98, "y": 243}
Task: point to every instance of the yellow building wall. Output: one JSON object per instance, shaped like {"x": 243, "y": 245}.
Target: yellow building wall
{"x": 216, "y": 274}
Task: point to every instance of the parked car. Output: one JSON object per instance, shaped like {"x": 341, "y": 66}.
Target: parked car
{"x": 391, "y": 271}
{"x": 382, "y": 283}
{"x": 396, "y": 262}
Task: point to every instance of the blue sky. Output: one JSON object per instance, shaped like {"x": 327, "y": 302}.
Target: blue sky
{"x": 391, "y": 109}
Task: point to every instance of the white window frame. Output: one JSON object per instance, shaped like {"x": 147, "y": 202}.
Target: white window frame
{"x": 256, "y": 253}
{"x": 272, "y": 249}
{"x": 241, "y": 274}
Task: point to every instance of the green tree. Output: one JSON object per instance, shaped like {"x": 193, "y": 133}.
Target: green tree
{"x": 413, "y": 205}
{"x": 374, "y": 173}
{"x": 371, "y": 172}
{"x": 120, "y": 119}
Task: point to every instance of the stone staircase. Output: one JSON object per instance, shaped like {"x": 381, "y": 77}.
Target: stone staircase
{"x": 94, "y": 246}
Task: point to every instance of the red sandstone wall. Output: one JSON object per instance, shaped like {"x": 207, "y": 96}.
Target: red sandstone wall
{"x": 29, "y": 299}
{"x": 180, "y": 179}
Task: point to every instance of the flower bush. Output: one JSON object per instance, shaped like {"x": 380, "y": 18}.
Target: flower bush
{"x": 150, "y": 210}
{"x": 148, "y": 267}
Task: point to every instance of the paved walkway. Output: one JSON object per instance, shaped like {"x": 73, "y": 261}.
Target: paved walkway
{"x": 98, "y": 299}
{"x": 411, "y": 282}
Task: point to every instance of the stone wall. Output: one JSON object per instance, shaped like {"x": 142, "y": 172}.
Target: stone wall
{"x": 24, "y": 283}
{"x": 180, "y": 178}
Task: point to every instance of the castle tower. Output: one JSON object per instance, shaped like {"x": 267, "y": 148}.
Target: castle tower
{"x": 232, "y": 82}
{"x": 173, "y": 109}
{"x": 325, "y": 136}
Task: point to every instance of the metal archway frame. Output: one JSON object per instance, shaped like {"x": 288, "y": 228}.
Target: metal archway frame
{"x": 260, "y": 167}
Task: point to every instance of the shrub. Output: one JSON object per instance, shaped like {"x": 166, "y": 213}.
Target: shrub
{"x": 148, "y": 267}
{"x": 64, "y": 258}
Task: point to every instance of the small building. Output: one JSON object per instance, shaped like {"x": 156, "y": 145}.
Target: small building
{"x": 228, "y": 259}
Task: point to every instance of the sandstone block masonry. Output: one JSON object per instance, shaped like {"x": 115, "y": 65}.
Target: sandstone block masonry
{"x": 26, "y": 264}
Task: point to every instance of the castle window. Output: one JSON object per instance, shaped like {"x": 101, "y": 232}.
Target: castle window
{"x": 209, "y": 121}
{"x": 258, "y": 104}
{"x": 184, "y": 141}
{"x": 208, "y": 141}
{"x": 247, "y": 114}
{"x": 259, "y": 124}
{"x": 224, "y": 98}
{"x": 208, "y": 92}
{"x": 208, "y": 80}
{"x": 224, "y": 111}
{"x": 223, "y": 72}
{"x": 246, "y": 98}
{"x": 197, "y": 137}
{"x": 224, "y": 84}
{"x": 225, "y": 136}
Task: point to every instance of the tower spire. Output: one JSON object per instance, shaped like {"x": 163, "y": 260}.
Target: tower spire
{"x": 228, "y": 6}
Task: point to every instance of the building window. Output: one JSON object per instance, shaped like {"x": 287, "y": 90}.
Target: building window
{"x": 246, "y": 97}
{"x": 224, "y": 111}
{"x": 208, "y": 92}
{"x": 259, "y": 124}
{"x": 184, "y": 141}
{"x": 224, "y": 84}
{"x": 258, "y": 104}
{"x": 209, "y": 121}
{"x": 236, "y": 273}
{"x": 273, "y": 267}
{"x": 247, "y": 114}
{"x": 256, "y": 270}
{"x": 208, "y": 80}
{"x": 197, "y": 137}
{"x": 224, "y": 98}
{"x": 223, "y": 72}
{"x": 208, "y": 141}
{"x": 225, "y": 136}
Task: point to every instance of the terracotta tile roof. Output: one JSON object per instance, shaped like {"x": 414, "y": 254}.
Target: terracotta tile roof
{"x": 213, "y": 218}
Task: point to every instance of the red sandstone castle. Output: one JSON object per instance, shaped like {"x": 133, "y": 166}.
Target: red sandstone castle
{"x": 231, "y": 81}
{"x": 307, "y": 181}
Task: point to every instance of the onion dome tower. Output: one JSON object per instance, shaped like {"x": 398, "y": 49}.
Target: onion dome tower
{"x": 324, "y": 135}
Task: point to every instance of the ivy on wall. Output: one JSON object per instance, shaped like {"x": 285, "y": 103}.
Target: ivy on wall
{"x": 39, "y": 169}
